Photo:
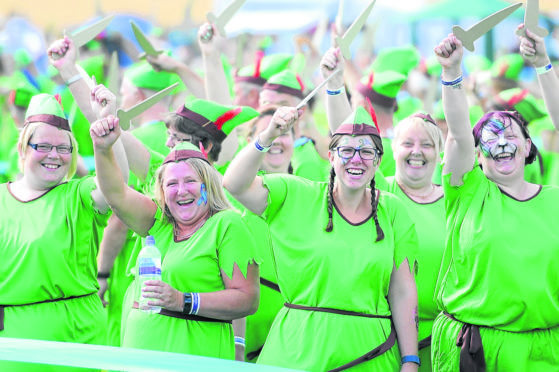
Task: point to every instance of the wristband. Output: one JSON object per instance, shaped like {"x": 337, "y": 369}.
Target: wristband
{"x": 187, "y": 309}
{"x": 335, "y": 92}
{"x": 74, "y": 78}
{"x": 411, "y": 359}
{"x": 239, "y": 341}
{"x": 543, "y": 69}
{"x": 457, "y": 81}
{"x": 259, "y": 147}
{"x": 195, "y": 303}
{"x": 101, "y": 275}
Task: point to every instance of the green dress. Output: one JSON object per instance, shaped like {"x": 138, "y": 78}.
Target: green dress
{"x": 499, "y": 270}
{"x": 343, "y": 269}
{"x": 193, "y": 265}
{"x": 49, "y": 251}
{"x": 154, "y": 135}
{"x": 430, "y": 225}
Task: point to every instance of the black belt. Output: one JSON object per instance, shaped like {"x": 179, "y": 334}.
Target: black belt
{"x": 36, "y": 303}
{"x": 472, "y": 358}
{"x": 180, "y": 315}
{"x": 377, "y": 351}
{"x": 426, "y": 342}
{"x": 269, "y": 284}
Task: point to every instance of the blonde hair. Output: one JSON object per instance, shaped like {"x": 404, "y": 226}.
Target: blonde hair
{"x": 27, "y": 133}
{"x": 434, "y": 132}
{"x": 217, "y": 201}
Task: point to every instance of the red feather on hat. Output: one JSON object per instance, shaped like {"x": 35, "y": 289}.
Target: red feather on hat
{"x": 503, "y": 69}
{"x": 227, "y": 116}
{"x": 259, "y": 56}
{"x": 373, "y": 114}
{"x": 371, "y": 79}
{"x": 517, "y": 98}
{"x": 12, "y": 97}
{"x": 58, "y": 99}
{"x": 202, "y": 149}
{"x": 300, "y": 82}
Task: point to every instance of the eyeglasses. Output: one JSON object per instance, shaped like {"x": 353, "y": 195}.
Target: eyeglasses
{"x": 366, "y": 153}
{"x": 177, "y": 139}
{"x": 47, "y": 147}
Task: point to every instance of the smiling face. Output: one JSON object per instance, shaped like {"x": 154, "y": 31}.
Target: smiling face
{"x": 278, "y": 158}
{"x": 183, "y": 191}
{"x": 353, "y": 172}
{"x": 502, "y": 149}
{"x": 46, "y": 169}
{"x": 415, "y": 153}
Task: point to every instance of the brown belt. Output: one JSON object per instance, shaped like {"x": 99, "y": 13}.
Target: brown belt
{"x": 180, "y": 315}
{"x": 36, "y": 303}
{"x": 472, "y": 358}
{"x": 269, "y": 284}
{"x": 379, "y": 350}
{"x": 426, "y": 342}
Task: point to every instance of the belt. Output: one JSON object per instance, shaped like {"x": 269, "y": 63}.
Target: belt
{"x": 180, "y": 315}
{"x": 426, "y": 342}
{"x": 379, "y": 350}
{"x": 269, "y": 284}
{"x": 36, "y": 303}
{"x": 472, "y": 358}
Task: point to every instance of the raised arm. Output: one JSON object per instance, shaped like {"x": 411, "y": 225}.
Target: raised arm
{"x": 459, "y": 147}
{"x": 63, "y": 55}
{"x": 337, "y": 103}
{"x": 134, "y": 209}
{"x": 241, "y": 178}
{"x": 532, "y": 47}
{"x": 190, "y": 78}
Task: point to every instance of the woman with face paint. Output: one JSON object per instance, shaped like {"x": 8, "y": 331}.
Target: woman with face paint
{"x": 416, "y": 146}
{"x": 209, "y": 273}
{"x": 498, "y": 281}
{"x": 344, "y": 255}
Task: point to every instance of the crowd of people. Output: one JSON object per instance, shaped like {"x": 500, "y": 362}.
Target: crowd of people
{"x": 376, "y": 228}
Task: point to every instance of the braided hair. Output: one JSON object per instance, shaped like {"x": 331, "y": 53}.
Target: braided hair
{"x": 374, "y": 205}
{"x": 330, "y": 225}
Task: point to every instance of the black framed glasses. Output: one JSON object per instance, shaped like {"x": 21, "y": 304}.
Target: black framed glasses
{"x": 365, "y": 153}
{"x": 47, "y": 147}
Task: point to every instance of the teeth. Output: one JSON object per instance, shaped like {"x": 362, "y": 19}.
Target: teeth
{"x": 416, "y": 163}
{"x": 185, "y": 202}
{"x": 355, "y": 171}
{"x": 51, "y": 166}
{"x": 275, "y": 151}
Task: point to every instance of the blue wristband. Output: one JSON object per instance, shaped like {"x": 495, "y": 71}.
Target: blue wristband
{"x": 411, "y": 359}
{"x": 453, "y": 82}
{"x": 239, "y": 341}
{"x": 259, "y": 147}
{"x": 335, "y": 92}
{"x": 543, "y": 69}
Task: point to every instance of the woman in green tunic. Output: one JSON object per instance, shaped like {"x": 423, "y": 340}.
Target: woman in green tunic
{"x": 416, "y": 146}
{"x": 343, "y": 255}
{"x": 498, "y": 282}
{"x": 209, "y": 276}
{"x": 50, "y": 229}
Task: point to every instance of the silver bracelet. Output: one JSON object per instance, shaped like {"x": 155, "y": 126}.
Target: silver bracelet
{"x": 74, "y": 78}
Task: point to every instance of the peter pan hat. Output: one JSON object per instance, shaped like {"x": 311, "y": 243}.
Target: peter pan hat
{"x": 21, "y": 90}
{"x": 521, "y": 100}
{"x": 45, "y": 108}
{"x": 360, "y": 122}
{"x": 407, "y": 106}
{"x": 476, "y": 63}
{"x": 286, "y": 82}
{"x": 218, "y": 120}
{"x": 263, "y": 68}
{"x": 508, "y": 66}
{"x": 184, "y": 150}
{"x": 382, "y": 87}
{"x": 399, "y": 59}
{"x": 143, "y": 76}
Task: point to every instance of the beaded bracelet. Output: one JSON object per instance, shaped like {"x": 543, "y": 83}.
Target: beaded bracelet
{"x": 239, "y": 341}
{"x": 457, "y": 81}
{"x": 411, "y": 359}
{"x": 543, "y": 69}
{"x": 74, "y": 78}
{"x": 259, "y": 147}
{"x": 335, "y": 92}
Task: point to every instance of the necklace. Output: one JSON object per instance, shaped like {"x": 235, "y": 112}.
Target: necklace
{"x": 411, "y": 194}
{"x": 188, "y": 235}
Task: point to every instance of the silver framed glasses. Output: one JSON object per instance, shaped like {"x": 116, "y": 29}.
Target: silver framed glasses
{"x": 47, "y": 147}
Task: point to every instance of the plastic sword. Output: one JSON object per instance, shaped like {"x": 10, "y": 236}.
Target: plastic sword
{"x": 345, "y": 41}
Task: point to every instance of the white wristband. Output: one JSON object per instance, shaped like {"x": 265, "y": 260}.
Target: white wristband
{"x": 74, "y": 78}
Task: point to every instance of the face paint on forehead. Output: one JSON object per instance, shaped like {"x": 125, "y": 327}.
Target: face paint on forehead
{"x": 495, "y": 126}
{"x": 363, "y": 142}
{"x": 493, "y": 141}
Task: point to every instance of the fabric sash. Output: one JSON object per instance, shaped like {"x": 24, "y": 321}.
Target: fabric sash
{"x": 472, "y": 358}
{"x": 269, "y": 284}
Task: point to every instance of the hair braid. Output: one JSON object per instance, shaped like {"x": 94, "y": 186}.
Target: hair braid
{"x": 330, "y": 225}
{"x": 380, "y": 233}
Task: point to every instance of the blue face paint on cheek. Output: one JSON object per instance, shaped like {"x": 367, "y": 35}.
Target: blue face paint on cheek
{"x": 203, "y": 195}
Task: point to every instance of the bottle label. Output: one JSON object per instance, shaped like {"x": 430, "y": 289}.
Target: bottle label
{"x": 148, "y": 267}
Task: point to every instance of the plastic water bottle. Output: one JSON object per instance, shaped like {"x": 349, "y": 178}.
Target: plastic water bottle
{"x": 149, "y": 268}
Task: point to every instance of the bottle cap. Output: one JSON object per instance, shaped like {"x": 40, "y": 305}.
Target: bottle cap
{"x": 150, "y": 240}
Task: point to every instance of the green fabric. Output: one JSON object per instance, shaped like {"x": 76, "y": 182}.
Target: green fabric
{"x": 387, "y": 83}
{"x": 529, "y": 107}
{"x": 307, "y": 163}
{"x": 44, "y": 104}
{"x": 50, "y": 252}
{"x": 22, "y": 58}
{"x": 387, "y": 164}
{"x": 80, "y": 128}
{"x": 154, "y": 135}
{"x": 438, "y": 114}
{"x": 8, "y": 147}
{"x": 142, "y": 75}
{"x": 475, "y": 113}
{"x": 286, "y": 78}
{"x": 269, "y": 66}
{"x": 399, "y": 59}
{"x": 432, "y": 66}
{"x": 193, "y": 265}
{"x": 407, "y": 106}
{"x": 344, "y": 269}
{"x": 532, "y": 172}
{"x": 359, "y": 116}
{"x": 508, "y": 66}
{"x": 94, "y": 66}
{"x": 430, "y": 226}
{"x": 214, "y": 111}
{"x": 488, "y": 278}
{"x": 24, "y": 90}
{"x": 537, "y": 350}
